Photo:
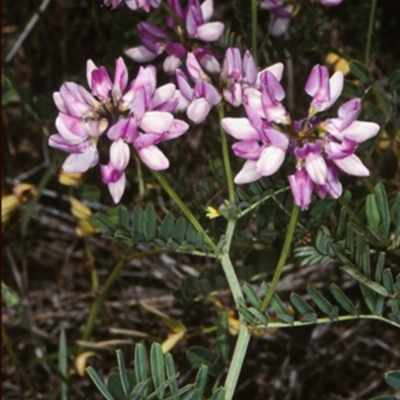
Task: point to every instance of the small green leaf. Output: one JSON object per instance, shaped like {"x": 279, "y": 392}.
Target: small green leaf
{"x": 223, "y": 335}
{"x": 166, "y": 227}
{"x": 122, "y": 373}
{"x": 358, "y": 276}
{"x": 201, "y": 377}
{"x": 360, "y": 71}
{"x": 106, "y": 222}
{"x": 171, "y": 371}
{"x": 301, "y": 305}
{"x": 371, "y": 209}
{"x": 160, "y": 391}
{"x": 252, "y": 295}
{"x": 387, "y": 280}
{"x": 98, "y": 382}
{"x": 247, "y": 315}
{"x": 219, "y": 394}
{"x": 123, "y": 217}
{"x": 149, "y": 222}
{"x": 181, "y": 392}
{"x": 392, "y": 378}
{"x": 141, "y": 363}
{"x": 286, "y": 319}
{"x": 157, "y": 366}
{"x": 380, "y": 263}
{"x": 261, "y": 317}
{"x": 178, "y": 234}
{"x": 137, "y": 222}
{"x": 142, "y": 387}
{"x": 199, "y": 356}
{"x": 62, "y": 363}
{"x": 341, "y": 298}
{"x": 369, "y": 296}
{"x": 322, "y": 303}
{"x": 383, "y": 207}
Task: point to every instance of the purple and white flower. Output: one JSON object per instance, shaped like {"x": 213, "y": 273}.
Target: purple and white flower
{"x": 321, "y": 148}
{"x": 137, "y": 114}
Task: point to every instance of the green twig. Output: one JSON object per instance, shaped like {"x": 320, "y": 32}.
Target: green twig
{"x": 225, "y": 155}
{"x": 101, "y": 297}
{"x": 282, "y": 258}
{"x": 325, "y": 320}
{"x": 370, "y": 32}
{"x": 166, "y": 186}
{"x": 259, "y": 202}
{"x": 142, "y": 190}
{"x": 237, "y": 361}
{"x": 244, "y": 335}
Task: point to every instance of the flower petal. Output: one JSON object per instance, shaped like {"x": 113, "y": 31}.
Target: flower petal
{"x": 210, "y": 31}
{"x": 79, "y": 163}
{"x": 156, "y": 121}
{"x": 154, "y": 158}
{"x": 248, "y": 173}
{"x": 352, "y": 165}
{"x": 240, "y": 128}
{"x": 270, "y": 160}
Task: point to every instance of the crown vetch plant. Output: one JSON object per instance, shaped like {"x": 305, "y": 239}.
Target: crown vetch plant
{"x": 120, "y": 116}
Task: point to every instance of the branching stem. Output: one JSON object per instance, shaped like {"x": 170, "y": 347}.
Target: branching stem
{"x": 282, "y": 258}
{"x": 171, "y": 192}
{"x": 225, "y": 155}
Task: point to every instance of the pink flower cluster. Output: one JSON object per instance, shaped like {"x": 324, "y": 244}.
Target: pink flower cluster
{"x": 321, "y": 148}
{"x": 116, "y": 116}
{"x": 238, "y": 78}
{"x": 282, "y": 11}
{"x": 193, "y": 26}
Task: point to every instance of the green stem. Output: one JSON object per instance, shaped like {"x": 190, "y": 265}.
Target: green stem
{"x": 370, "y": 31}
{"x": 282, "y": 258}
{"x": 244, "y": 335}
{"x": 257, "y": 203}
{"x": 166, "y": 186}
{"x": 237, "y": 361}
{"x": 142, "y": 190}
{"x": 100, "y": 299}
{"x": 254, "y": 28}
{"x": 93, "y": 271}
{"x": 225, "y": 155}
{"x": 228, "y": 268}
{"x": 325, "y": 320}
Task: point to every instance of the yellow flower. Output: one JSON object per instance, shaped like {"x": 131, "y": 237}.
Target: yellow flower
{"x": 338, "y": 63}
{"x": 212, "y": 212}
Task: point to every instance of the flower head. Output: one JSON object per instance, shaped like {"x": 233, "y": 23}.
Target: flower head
{"x": 137, "y": 115}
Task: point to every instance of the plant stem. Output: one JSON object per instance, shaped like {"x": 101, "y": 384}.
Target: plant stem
{"x": 369, "y": 34}
{"x": 166, "y": 186}
{"x": 257, "y": 203}
{"x": 282, "y": 258}
{"x": 227, "y": 266}
{"x": 225, "y": 155}
{"x": 237, "y": 361}
{"x": 325, "y": 320}
{"x": 142, "y": 190}
{"x": 254, "y": 28}
{"x": 244, "y": 335}
{"x": 101, "y": 297}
